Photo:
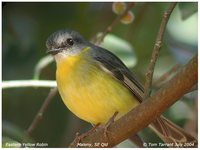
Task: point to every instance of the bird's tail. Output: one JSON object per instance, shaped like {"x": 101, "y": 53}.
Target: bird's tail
{"x": 172, "y": 134}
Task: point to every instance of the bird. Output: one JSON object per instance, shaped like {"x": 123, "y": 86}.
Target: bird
{"x": 96, "y": 85}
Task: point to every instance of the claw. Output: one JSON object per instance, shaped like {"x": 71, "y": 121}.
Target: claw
{"x": 107, "y": 125}
{"x": 79, "y": 137}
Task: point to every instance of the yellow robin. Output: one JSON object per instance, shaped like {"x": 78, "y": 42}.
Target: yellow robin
{"x": 95, "y": 84}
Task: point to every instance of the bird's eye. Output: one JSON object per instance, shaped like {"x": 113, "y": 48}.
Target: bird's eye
{"x": 70, "y": 42}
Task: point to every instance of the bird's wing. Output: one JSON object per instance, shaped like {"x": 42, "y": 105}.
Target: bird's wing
{"x": 114, "y": 66}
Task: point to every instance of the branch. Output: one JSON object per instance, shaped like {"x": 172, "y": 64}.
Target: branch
{"x": 98, "y": 40}
{"x": 43, "y": 108}
{"x": 142, "y": 115}
{"x": 28, "y": 83}
{"x": 43, "y": 62}
{"x": 140, "y": 15}
{"x": 156, "y": 50}
{"x": 34, "y": 83}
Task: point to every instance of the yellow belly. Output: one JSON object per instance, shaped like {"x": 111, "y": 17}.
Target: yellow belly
{"x": 90, "y": 93}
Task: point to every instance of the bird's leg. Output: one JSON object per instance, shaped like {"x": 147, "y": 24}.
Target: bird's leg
{"x": 95, "y": 127}
{"x": 80, "y": 137}
{"x": 110, "y": 121}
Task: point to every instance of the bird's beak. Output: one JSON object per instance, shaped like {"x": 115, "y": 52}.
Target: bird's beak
{"x": 54, "y": 51}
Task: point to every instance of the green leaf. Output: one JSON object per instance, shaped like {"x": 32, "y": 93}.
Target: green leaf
{"x": 121, "y": 48}
{"x": 13, "y": 135}
{"x": 187, "y": 9}
{"x": 10, "y": 143}
{"x": 126, "y": 144}
{"x": 163, "y": 65}
{"x": 184, "y": 31}
{"x": 180, "y": 110}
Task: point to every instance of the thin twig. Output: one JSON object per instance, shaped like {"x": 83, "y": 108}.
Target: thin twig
{"x": 192, "y": 123}
{"x": 156, "y": 50}
{"x": 28, "y": 83}
{"x": 166, "y": 75}
{"x": 98, "y": 40}
{"x": 142, "y": 115}
{"x": 137, "y": 140}
{"x": 138, "y": 19}
{"x": 43, "y": 62}
{"x": 43, "y": 108}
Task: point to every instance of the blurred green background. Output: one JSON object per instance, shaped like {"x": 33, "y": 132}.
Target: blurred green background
{"x": 26, "y": 26}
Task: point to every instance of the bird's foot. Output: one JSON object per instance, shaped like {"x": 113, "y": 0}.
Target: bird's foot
{"x": 107, "y": 125}
{"x": 79, "y": 137}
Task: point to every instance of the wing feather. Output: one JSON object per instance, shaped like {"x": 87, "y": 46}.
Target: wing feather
{"x": 114, "y": 66}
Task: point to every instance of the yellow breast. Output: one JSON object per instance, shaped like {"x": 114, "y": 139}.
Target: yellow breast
{"x": 90, "y": 93}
